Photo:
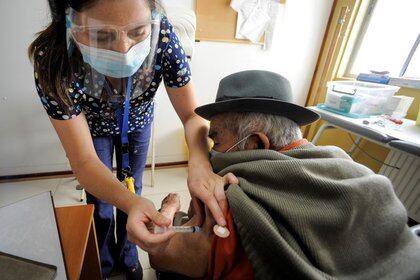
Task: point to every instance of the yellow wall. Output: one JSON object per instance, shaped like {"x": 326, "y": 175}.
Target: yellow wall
{"x": 341, "y": 139}
{"x": 414, "y": 109}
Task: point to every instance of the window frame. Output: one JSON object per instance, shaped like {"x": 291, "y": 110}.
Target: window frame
{"x": 354, "y": 43}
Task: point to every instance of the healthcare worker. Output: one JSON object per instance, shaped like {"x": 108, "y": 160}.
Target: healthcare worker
{"x": 98, "y": 66}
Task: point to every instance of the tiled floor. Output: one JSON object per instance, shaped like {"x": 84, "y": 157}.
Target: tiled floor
{"x": 65, "y": 193}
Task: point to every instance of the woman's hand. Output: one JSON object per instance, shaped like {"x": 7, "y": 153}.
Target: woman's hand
{"x": 208, "y": 188}
{"x": 141, "y": 213}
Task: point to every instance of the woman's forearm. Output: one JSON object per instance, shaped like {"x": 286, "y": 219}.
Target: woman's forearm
{"x": 99, "y": 181}
{"x": 196, "y": 134}
{"x": 203, "y": 184}
{"x": 195, "y": 128}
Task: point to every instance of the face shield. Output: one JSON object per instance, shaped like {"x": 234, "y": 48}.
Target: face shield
{"x": 108, "y": 48}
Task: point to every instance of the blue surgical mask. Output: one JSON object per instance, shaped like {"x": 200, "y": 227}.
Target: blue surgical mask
{"x": 214, "y": 152}
{"x": 115, "y": 64}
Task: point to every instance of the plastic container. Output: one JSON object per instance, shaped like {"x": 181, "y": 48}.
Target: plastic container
{"x": 397, "y": 106}
{"x": 358, "y": 99}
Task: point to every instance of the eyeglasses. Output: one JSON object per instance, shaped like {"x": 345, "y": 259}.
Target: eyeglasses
{"x": 106, "y": 36}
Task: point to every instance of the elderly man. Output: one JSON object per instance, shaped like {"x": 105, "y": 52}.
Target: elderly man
{"x": 295, "y": 210}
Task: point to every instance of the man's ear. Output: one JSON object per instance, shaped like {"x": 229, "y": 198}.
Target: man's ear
{"x": 258, "y": 141}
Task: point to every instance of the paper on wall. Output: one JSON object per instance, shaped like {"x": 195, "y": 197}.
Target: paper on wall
{"x": 253, "y": 18}
{"x": 240, "y": 20}
{"x": 276, "y": 14}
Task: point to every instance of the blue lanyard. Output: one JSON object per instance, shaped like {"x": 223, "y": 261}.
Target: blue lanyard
{"x": 123, "y": 119}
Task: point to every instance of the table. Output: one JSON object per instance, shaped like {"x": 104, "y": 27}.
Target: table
{"x": 405, "y": 138}
{"x": 78, "y": 241}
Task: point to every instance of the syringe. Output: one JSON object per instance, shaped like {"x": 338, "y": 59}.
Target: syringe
{"x": 180, "y": 229}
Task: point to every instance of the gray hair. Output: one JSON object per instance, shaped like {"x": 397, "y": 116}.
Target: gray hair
{"x": 280, "y": 130}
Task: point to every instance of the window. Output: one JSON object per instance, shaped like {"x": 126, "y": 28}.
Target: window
{"x": 387, "y": 39}
{"x": 411, "y": 68}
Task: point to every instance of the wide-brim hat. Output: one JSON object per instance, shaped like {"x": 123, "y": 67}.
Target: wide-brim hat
{"x": 260, "y": 92}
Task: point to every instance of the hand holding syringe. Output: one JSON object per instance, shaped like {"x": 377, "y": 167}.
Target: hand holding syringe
{"x": 170, "y": 205}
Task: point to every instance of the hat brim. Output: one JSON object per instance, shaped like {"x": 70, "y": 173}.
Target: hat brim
{"x": 300, "y": 115}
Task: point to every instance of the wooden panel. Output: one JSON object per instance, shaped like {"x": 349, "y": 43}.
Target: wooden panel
{"x": 74, "y": 225}
{"x": 92, "y": 264}
{"x": 216, "y": 21}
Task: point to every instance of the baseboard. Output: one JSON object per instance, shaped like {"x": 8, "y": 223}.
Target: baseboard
{"x": 69, "y": 173}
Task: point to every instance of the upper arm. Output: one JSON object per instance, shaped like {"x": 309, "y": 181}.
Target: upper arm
{"x": 75, "y": 137}
{"x": 69, "y": 122}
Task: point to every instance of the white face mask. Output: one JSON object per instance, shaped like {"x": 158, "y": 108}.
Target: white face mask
{"x": 214, "y": 152}
{"x": 115, "y": 64}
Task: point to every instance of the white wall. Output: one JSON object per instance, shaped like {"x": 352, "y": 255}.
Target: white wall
{"x": 294, "y": 54}
{"x": 29, "y": 144}
{"x": 27, "y": 140}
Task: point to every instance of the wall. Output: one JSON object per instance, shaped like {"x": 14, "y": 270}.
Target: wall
{"x": 294, "y": 53}
{"x": 27, "y": 140}
{"x": 28, "y": 143}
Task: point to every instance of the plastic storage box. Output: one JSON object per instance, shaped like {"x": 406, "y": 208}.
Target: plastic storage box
{"x": 357, "y": 99}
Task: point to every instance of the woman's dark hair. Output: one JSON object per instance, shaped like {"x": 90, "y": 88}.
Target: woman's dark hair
{"x": 55, "y": 72}
{"x": 49, "y": 51}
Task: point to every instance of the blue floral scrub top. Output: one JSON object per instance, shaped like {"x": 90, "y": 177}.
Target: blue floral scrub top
{"x": 171, "y": 65}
